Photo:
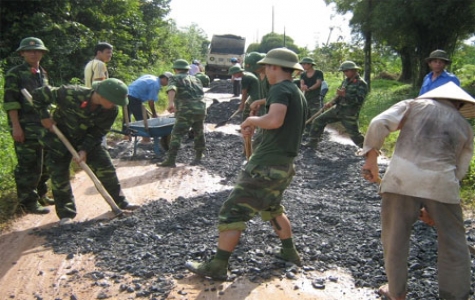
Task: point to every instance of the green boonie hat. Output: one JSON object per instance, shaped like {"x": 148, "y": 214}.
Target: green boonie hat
{"x": 307, "y": 60}
{"x": 251, "y": 59}
{"x": 282, "y": 57}
{"x": 439, "y": 54}
{"x": 234, "y": 70}
{"x": 32, "y": 43}
{"x": 203, "y": 78}
{"x": 181, "y": 64}
{"x": 348, "y": 65}
{"x": 113, "y": 90}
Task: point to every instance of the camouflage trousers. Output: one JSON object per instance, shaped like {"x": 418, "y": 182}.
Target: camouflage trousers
{"x": 30, "y": 172}
{"x": 182, "y": 125}
{"x": 259, "y": 189}
{"x": 350, "y": 122}
{"x": 58, "y": 161}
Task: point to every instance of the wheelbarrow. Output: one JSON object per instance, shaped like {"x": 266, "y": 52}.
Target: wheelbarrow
{"x": 157, "y": 128}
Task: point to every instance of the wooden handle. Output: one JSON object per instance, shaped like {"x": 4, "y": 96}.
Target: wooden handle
{"x": 100, "y": 188}
{"x": 248, "y": 146}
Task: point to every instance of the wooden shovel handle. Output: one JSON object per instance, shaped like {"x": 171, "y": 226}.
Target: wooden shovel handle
{"x": 100, "y": 188}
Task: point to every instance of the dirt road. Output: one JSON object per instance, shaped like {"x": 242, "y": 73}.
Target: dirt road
{"x": 30, "y": 270}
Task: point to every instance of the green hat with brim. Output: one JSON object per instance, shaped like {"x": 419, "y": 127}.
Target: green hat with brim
{"x": 251, "y": 59}
{"x": 32, "y": 43}
{"x": 113, "y": 90}
{"x": 439, "y": 54}
{"x": 180, "y": 64}
{"x": 282, "y": 57}
{"x": 348, "y": 65}
{"x": 307, "y": 60}
{"x": 235, "y": 69}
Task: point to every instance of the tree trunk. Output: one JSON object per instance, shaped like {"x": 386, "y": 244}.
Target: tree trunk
{"x": 406, "y": 61}
{"x": 367, "y": 59}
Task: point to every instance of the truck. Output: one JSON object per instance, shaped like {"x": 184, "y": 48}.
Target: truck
{"x": 221, "y": 49}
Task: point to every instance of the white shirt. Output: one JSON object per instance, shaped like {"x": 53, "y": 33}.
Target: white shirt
{"x": 94, "y": 69}
{"x": 433, "y": 150}
{"x": 194, "y": 69}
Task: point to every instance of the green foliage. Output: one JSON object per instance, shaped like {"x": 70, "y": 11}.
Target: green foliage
{"x": 412, "y": 28}
{"x": 71, "y": 29}
{"x": 8, "y": 157}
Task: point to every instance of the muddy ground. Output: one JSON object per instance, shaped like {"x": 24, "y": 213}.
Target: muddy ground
{"x": 334, "y": 214}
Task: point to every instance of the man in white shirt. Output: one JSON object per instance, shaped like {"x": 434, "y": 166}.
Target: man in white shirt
{"x": 96, "y": 69}
{"x": 433, "y": 153}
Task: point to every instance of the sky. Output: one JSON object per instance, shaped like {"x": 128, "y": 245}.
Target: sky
{"x": 307, "y": 22}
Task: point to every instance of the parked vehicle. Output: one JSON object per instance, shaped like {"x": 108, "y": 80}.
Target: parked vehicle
{"x": 221, "y": 50}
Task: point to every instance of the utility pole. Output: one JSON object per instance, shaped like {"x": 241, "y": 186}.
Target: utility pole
{"x": 272, "y": 18}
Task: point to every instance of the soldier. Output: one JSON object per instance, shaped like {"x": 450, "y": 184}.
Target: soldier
{"x": 205, "y": 81}
{"x": 269, "y": 171}
{"x": 438, "y": 76}
{"x": 257, "y": 107}
{"x": 84, "y": 116}
{"x": 30, "y": 172}
{"x": 186, "y": 100}
{"x": 250, "y": 89}
{"x": 347, "y": 105}
{"x": 236, "y": 80}
{"x": 310, "y": 84}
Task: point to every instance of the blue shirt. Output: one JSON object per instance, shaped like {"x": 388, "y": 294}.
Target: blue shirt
{"x": 428, "y": 84}
{"x": 145, "y": 88}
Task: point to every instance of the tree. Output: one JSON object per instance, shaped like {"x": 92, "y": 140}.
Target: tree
{"x": 413, "y": 28}
{"x": 274, "y": 40}
{"x": 71, "y": 28}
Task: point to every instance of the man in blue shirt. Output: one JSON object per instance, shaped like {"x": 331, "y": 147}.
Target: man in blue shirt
{"x": 437, "y": 62}
{"x": 145, "y": 89}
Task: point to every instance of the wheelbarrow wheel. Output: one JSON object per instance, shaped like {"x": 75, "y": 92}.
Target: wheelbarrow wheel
{"x": 165, "y": 142}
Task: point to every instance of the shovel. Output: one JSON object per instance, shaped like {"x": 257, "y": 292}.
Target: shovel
{"x": 314, "y": 116}
{"x": 100, "y": 188}
{"x": 222, "y": 123}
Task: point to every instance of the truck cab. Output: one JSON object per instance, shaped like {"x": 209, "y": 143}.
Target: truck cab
{"x": 221, "y": 50}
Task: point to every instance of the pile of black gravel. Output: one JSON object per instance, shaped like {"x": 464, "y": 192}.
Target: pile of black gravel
{"x": 333, "y": 211}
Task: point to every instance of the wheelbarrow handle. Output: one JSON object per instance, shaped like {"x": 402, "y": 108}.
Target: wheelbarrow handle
{"x": 100, "y": 188}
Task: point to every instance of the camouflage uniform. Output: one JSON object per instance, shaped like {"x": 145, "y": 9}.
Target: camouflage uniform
{"x": 250, "y": 83}
{"x": 270, "y": 169}
{"x": 190, "y": 112}
{"x": 30, "y": 172}
{"x": 205, "y": 81}
{"x": 84, "y": 128}
{"x": 346, "y": 110}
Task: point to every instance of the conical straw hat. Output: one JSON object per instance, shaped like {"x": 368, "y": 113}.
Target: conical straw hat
{"x": 451, "y": 91}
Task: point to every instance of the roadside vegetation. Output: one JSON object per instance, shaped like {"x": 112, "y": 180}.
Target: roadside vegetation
{"x": 147, "y": 42}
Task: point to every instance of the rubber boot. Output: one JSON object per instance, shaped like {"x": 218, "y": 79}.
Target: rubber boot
{"x": 197, "y": 160}
{"x": 46, "y": 201}
{"x": 215, "y": 268}
{"x": 36, "y": 208}
{"x": 290, "y": 255}
{"x": 170, "y": 161}
{"x": 312, "y": 143}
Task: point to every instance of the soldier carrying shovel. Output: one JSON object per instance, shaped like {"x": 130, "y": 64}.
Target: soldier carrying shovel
{"x": 347, "y": 105}
{"x": 84, "y": 116}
